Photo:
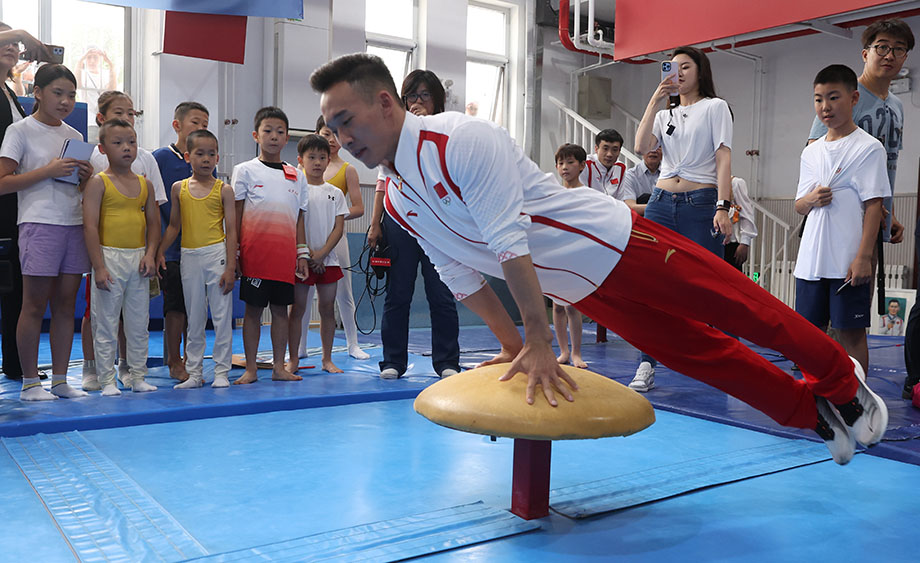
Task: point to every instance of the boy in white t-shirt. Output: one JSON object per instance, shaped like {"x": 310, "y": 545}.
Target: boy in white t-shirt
{"x": 324, "y": 224}
{"x": 271, "y": 198}
{"x": 842, "y": 181}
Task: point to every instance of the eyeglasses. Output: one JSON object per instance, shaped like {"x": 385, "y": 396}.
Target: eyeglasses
{"x": 424, "y": 96}
{"x": 883, "y": 50}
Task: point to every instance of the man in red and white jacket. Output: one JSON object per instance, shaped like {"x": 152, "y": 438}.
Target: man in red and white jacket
{"x": 476, "y": 204}
{"x": 602, "y": 171}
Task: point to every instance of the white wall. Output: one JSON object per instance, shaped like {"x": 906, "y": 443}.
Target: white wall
{"x": 790, "y": 66}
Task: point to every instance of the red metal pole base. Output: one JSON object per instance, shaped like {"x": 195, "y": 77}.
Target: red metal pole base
{"x": 530, "y": 480}
{"x": 601, "y": 333}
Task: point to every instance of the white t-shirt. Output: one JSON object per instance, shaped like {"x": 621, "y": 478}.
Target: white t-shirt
{"x": 699, "y": 130}
{"x": 473, "y": 200}
{"x": 144, "y": 165}
{"x": 14, "y": 111}
{"x": 605, "y": 180}
{"x": 326, "y": 203}
{"x": 268, "y": 234}
{"x": 855, "y": 168}
{"x": 32, "y": 144}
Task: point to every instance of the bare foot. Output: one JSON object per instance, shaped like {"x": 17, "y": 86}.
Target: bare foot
{"x": 284, "y": 375}
{"x": 292, "y": 366}
{"x": 563, "y": 358}
{"x": 331, "y": 367}
{"x": 177, "y": 371}
{"x": 247, "y": 377}
{"x": 578, "y": 362}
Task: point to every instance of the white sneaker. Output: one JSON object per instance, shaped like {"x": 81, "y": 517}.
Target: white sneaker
{"x": 837, "y": 437}
{"x": 448, "y": 372}
{"x": 644, "y": 379}
{"x": 866, "y": 414}
{"x": 389, "y": 373}
{"x": 357, "y": 353}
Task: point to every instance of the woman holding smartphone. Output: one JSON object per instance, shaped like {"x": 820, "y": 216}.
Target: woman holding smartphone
{"x": 693, "y": 193}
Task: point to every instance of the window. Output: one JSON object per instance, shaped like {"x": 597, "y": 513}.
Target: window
{"x": 390, "y": 32}
{"x": 487, "y": 58}
{"x": 93, "y": 37}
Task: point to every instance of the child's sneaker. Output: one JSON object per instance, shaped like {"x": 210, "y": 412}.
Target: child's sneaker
{"x": 835, "y": 434}
{"x": 866, "y": 414}
{"x": 644, "y": 379}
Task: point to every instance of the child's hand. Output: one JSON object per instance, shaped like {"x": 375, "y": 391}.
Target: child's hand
{"x": 102, "y": 279}
{"x": 148, "y": 267}
{"x": 303, "y": 268}
{"x": 860, "y": 271}
{"x": 821, "y": 196}
{"x": 317, "y": 267}
{"x": 86, "y": 170}
{"x": 60, "y": 167}
{"x": 227, "y": 281}
{"x": 161, "y": 265}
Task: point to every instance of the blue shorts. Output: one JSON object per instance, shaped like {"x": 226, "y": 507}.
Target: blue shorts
{"x": 819, "y": 302}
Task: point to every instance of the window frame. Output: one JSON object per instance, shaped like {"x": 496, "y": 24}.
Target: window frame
{"x": 395, "y": 43}
{"x": 503, "y": 62}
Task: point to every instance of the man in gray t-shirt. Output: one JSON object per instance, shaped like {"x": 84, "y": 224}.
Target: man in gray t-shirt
{"x": 878, "y": 112}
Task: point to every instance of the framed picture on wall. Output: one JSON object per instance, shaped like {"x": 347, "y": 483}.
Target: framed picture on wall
{"x": 897, "y": 306}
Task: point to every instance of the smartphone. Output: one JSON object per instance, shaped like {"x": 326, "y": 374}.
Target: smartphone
{"x": 841, "y": 288}
{"x": 669, "y": 71}
{"x": 56, "y": 55}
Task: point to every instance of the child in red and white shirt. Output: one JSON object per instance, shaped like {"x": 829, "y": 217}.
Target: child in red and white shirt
{"x": 271, "y": 198}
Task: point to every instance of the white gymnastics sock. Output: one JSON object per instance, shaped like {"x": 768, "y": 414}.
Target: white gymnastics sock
{"x": 124, "y": 372}
{"x": 357, "y": 353}
{"x": 90, "y": 378}
{"x": 62, "y": 389}
{"x": 220, "y": 382}
{"x": 32, "y": 390}
{"x": 141, "y": 386}
{"x": 191, "y": 383}
{"x": 111, "y": 390}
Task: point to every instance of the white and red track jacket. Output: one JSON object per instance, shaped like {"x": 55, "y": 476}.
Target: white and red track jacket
{"x": 466, "y": 191}
{"x": 599, "y": 177}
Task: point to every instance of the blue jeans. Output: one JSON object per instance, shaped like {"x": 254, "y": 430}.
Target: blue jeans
{"x": 689, "y": 214}
{"x": 406, "y": 256}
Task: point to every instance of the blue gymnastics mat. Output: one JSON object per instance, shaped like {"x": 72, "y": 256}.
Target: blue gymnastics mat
{"x": 247, "y": 485}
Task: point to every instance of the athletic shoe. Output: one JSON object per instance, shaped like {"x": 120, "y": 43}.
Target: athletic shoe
{"x": 835, "y": 434}
{"x": 866, "y": 414}
{"x": 448, "y": 372}
{"x": 389, "y": 373}
{"x": 644, "y": 379}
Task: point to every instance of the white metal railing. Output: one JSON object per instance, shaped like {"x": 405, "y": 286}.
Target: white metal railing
{"x": 768, "y": 259}
{"x": 580, "y": 131}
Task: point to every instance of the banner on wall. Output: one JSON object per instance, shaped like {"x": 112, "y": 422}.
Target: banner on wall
{"x": 292, "y": 9}
{"x": 224, "y": 39}
{"x": 651, "y": 26}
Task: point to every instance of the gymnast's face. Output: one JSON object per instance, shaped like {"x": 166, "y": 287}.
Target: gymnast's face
{"x": 368, "y": 128}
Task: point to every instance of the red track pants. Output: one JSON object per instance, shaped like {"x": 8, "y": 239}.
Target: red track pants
{"x": 666, "y": 291}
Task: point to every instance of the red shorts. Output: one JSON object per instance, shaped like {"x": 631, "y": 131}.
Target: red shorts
{"x": 331, "y": 275}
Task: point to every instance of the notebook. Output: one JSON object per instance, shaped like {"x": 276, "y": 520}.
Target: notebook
{"x": 77, "y": 149}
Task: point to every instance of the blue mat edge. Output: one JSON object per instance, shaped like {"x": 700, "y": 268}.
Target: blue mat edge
{"x": 200, "y": 412}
